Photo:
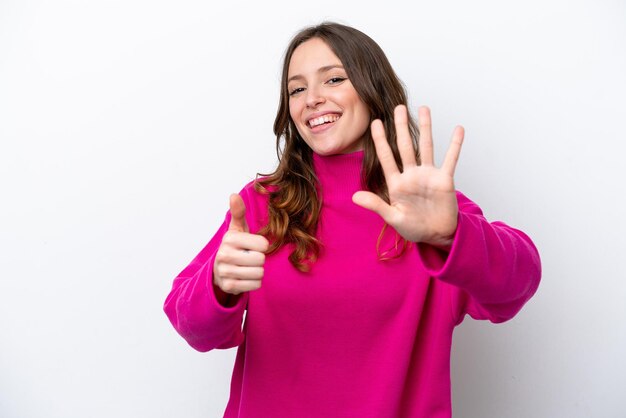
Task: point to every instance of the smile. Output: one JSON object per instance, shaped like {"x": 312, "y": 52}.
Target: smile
{"x": 330, "y": 118}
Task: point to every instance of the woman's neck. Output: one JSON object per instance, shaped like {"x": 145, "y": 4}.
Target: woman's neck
{"x": 340, "y": 174}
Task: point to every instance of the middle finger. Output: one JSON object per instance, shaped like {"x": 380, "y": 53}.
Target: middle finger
{"x": 426, "y": 137}
{"x": 403, "y": 137}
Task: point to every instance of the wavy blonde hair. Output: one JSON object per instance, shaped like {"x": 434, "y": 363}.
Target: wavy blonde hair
{"x": 294, "y": 206}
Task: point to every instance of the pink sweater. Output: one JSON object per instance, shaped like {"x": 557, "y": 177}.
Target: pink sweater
{"x": 355, "y": 337}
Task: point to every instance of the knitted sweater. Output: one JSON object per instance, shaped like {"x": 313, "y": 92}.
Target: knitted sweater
{"x": 356, "y": 336}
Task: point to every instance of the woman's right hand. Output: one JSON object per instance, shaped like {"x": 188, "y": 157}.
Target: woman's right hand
{"x": 239, "y": 261}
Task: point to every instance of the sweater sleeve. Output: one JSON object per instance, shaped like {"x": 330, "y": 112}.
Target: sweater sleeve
{"x": 494, "y": 269}
{"x": 192, "y": 306}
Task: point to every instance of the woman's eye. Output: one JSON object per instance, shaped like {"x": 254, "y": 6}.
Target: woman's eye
{"x": 296, "y": 90}
{"x": 336, "y": 80}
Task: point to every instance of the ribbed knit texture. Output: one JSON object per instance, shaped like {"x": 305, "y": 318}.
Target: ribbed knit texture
{"x": 356, "y": 336}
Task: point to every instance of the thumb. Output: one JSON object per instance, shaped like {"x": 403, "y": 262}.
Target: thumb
{"x": 238, "y": 214}
{"x": 373, "y": 202}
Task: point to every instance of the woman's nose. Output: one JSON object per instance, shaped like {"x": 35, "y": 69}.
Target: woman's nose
{"x": 314, "y": 97}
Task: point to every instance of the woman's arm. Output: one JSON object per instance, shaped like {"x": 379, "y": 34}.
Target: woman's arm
{"x": 496, "y": 267}
{"x": 193, "y": 308}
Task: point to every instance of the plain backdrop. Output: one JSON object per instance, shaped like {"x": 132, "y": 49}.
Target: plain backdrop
{"x": 125, "y": 125}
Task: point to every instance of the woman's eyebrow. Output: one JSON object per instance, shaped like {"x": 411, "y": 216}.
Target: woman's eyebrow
{"x": 319, "y": 70}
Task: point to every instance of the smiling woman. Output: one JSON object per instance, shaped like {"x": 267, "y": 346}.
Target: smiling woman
{"x": 326, "y": 109}
{"x": 355, "y": 259}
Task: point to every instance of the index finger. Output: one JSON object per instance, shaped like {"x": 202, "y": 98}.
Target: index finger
{"x": 385, "y": 155}
{"x": 246, "y": 241}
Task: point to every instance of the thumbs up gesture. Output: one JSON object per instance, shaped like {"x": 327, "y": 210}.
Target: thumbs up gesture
{"x": 240, "y": 258}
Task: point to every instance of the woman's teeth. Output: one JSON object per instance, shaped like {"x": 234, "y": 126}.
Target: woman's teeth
{"x": 323, "y": 119}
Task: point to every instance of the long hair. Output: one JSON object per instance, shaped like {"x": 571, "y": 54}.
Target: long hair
{"x": 294, "y": 205}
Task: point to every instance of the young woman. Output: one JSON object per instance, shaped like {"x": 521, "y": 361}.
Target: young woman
{"x": 355, "y": 259}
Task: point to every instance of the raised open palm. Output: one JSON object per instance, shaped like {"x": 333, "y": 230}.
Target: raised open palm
{"x": 423, "y": 205}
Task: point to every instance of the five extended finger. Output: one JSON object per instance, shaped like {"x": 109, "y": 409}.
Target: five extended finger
{"x": 454, "y": 150}
{"x": 385, "y": 155}
{"x": 426, "y": 136}
{"x": 404, "y": 139}
{"x": 373, "y": 202}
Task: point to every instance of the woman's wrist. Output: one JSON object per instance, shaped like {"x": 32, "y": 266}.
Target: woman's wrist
{"x": 227, "y": 300}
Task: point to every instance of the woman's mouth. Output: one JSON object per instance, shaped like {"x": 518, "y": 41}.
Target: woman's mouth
{"x": 317, "y": 124}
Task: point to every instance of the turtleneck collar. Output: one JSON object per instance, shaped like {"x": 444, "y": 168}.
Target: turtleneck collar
{"x": 339, "y": 175}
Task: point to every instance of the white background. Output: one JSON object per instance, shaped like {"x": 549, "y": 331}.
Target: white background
{"x": 125, "y": 125}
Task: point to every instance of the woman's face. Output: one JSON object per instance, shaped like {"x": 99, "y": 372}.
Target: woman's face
{"x": 326, "y": 109}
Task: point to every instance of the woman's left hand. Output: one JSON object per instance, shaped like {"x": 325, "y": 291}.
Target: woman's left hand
{"x": 423, "y": 205}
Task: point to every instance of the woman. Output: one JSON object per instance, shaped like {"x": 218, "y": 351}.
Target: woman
{"x": 354, "y": 259}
